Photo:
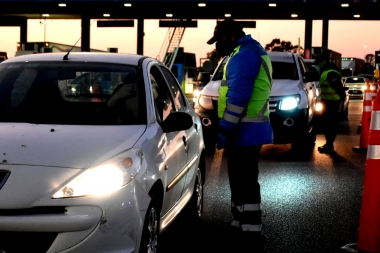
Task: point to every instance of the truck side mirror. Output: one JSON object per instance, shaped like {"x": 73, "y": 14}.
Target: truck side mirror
{"x": 203, "y": 77}
{"x": 311, "y": 76}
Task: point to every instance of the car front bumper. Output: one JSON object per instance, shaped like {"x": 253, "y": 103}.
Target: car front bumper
{"x": 109, "y": 223}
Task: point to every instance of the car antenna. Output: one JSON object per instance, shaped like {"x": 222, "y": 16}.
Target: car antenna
{"x": 65, "y": 58}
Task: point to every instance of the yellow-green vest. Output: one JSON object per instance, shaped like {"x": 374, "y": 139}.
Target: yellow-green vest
{"x": 258, "y": 106}
{"x": 328, "y": 92}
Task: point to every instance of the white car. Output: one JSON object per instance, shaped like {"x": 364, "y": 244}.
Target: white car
{"x": 103, "y": 168}
{"x": 292, "y": 101}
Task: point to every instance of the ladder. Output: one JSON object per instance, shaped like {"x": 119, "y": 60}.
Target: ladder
{"x": 171, "y": 43}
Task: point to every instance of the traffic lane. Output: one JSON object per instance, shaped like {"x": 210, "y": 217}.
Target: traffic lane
{"x": 311, "y": 202}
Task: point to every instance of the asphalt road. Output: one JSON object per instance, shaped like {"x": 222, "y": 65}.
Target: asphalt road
{"x": 311, "y": 202}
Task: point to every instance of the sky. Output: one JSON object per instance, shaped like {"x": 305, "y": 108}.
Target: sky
{"x": 350, "y": 38}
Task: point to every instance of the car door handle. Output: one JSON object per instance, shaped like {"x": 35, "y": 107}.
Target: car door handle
{"x": 196, "y": 127}
{"x": 184, "y": 140}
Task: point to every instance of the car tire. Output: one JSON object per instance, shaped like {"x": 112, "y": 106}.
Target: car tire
{"x": 305, "y": 140}
{"x": 150, "y": 232}
{"x": 195, "y": 205}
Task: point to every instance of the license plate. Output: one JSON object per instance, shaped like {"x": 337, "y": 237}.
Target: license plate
{"x": 355, "y": 91}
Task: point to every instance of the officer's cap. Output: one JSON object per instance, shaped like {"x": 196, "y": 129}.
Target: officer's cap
{"x": 226, "y": 27}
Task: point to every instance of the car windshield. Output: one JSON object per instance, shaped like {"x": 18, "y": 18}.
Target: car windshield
{"x": 70, "y": 93}
{"x": 284, "y": 70}
{"x": 218, "y": 75}
{"x": 355, "y": 80}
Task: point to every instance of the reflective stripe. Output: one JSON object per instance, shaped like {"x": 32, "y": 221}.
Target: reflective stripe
{"x": 373, "y": 152}
{"x": 231, "y": 118}
{"x": 235, "y": 108}
{"x": 266, "y": 68}
{"x": 249, "y": 207}
{"x": 367, "y": 95}
{"x": 256, "y": 119}
{"x": 251, "y": 228}
{"x": 367, "y": 108}
{"x": 375, "y": 120}
{"x": 235, "y": 223}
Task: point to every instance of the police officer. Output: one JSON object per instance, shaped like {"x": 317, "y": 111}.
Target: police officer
{"x": 333, "y": 96}
{"x": 244, "y": 123}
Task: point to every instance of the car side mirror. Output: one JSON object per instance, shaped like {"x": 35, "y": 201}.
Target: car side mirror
{"x": 311, "y": 76}
{"x": 177, "y": 121}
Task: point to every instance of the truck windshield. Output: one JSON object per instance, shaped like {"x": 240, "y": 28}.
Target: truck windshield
{"x": 70, "y": 93}
{"x": 284, "y": 70}
{"x": 355, "y": 80}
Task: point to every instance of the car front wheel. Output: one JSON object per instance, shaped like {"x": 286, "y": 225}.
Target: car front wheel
{"x": 150, "y": 230}
{"x": 195, "y": 206}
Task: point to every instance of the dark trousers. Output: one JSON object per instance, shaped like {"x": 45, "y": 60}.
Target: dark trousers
{"x": 330, "y": 119}
{"x": 243, "y": 172}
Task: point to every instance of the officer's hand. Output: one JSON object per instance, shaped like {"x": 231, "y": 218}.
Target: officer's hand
{"x": 222, "y": 141}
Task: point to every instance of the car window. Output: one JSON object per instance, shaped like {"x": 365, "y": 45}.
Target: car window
{"x": 162, "y": 99}
{"x": 218, "y": 75}
{"x": 75, "y": 93}
{"x": 176, "y": 90}
{"x": 355, "y": 80}
{"x": 284, "y": 70}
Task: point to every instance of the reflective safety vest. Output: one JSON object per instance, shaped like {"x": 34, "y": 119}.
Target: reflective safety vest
{"x": 328, "y": 92}
{"x": 258, "y": 106}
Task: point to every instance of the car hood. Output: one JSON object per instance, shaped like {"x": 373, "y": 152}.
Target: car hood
{"x": 63, "y": 145}
{"x": 284, "y": 87}
{"x": 212, "y": 89}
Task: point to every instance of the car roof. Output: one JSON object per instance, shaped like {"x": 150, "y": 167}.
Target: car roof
{"x": 309, "y": 60}
{"x": 121, "y": 58}
{"x": 282, "y": 56}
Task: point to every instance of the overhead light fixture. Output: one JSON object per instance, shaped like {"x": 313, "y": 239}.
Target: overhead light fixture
{"x": 345, "y": 5}
{"x": 272, "y": 5}
{"x": 106, "y": 15}
{"x": 62, "y": 5}
{"x": 45, "y": 15}
{"x": 227, "y": 15}
{"x": 202, "y": 5}
{"x": 357, "y": 16}
{"x": 169, "y": 15}
{"x": 294, "y": 15}
{"x": 128, "y": 5}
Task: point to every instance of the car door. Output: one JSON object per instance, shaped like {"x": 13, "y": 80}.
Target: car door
{"x": 310, "y": 88}
{"x": 192, "y": 134}
{"x": 172, "y": 144}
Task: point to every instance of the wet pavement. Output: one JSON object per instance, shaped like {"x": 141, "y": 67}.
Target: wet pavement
{"x": 311, "y": 202}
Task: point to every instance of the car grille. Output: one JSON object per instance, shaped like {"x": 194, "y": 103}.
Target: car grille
{"x": 3, "y": 177}
{"x": 16, "y": 242}
{"x": 273, "y": 103}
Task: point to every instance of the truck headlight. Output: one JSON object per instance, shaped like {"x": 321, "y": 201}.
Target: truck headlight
{"x": 196, "y": 93}
{"x": 104, "y": 178}
{"x": 289, "y": 103}
{"x": 205, "y": 102}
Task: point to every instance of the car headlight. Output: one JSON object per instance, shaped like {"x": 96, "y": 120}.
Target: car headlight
{"x": 104, "y": 178}
{"x": 205, "y": 102}
{"x": 289, "y": 103}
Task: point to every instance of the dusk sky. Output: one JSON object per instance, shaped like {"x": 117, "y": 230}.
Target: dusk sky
{"x": 350, "y": 38}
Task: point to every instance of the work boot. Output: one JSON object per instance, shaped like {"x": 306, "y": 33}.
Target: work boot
{"x": 327, "y": 149}
{"x": 253, "y": 242}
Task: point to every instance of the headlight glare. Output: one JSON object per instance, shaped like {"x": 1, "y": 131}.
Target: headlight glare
{"x": 104, "y": 178}
{"x": 205, "y": 102}
{"x": 289, "y": 103}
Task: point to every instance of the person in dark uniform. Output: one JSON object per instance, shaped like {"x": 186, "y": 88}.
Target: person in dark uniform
{"x": 333, "y": 96}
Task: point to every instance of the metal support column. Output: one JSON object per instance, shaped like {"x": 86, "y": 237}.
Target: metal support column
{"x": 23, "y": 31}
{"x": 325, "y": 33}
{"x": 140, "y": 36}
{"x": 308, "y": 37}
{"x": 85, "y": 36}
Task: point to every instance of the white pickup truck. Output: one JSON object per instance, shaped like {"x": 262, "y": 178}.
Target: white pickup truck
{"x": 292, "y": 102}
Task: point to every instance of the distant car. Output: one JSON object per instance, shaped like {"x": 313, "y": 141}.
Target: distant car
{"x": 89, "y": 170}
{"x": 202, "y": 79}
{"x": 356, "y": 86}
{"x": 292, "y": 102}
{"x": 370, "y": 77}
